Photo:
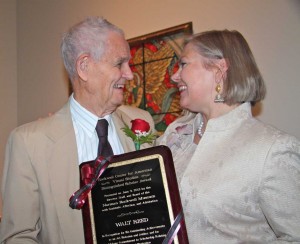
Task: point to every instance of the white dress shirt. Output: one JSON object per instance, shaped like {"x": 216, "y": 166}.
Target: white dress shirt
{"x": 84, "y": 123}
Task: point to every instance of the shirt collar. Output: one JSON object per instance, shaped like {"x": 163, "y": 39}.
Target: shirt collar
{"x": 231, "y": 119}
{"x": 85, "y": 118}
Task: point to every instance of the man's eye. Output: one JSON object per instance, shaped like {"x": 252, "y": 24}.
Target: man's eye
{"x": 119, "y": 65}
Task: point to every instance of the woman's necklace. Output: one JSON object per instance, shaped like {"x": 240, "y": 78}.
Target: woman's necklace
{"x": 199, "y": 130}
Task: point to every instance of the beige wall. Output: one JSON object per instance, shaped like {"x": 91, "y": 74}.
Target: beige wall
{"x": 8, "y": 74}
{"x": 272, "y": 28}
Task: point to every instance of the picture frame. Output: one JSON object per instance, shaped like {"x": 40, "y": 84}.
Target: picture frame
{"x": 154, "y": 61}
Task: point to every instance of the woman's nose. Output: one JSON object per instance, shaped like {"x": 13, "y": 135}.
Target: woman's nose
{"x": 176, "y": 76}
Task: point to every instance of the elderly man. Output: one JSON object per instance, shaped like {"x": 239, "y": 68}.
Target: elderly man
{"x": 42, "y": 160}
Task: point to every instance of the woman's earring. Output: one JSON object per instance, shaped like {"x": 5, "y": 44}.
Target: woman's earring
{"x": 218, "y": 98}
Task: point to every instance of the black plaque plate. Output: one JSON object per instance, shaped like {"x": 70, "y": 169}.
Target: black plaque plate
{"x": 135, "y": 200}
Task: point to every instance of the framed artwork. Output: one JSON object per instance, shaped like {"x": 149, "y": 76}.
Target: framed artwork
{"x": 154, "y": 60}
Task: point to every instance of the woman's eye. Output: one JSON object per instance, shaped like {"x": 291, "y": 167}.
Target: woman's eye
{"x": 182, "y": 64}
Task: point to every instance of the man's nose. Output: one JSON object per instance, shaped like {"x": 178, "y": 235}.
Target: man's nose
{"x": 128, "y": 73}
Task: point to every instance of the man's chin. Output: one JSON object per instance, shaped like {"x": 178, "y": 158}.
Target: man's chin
{"x": 117, "y": 103}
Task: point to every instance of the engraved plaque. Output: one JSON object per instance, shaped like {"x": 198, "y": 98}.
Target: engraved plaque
{"x": 135, "y": 200}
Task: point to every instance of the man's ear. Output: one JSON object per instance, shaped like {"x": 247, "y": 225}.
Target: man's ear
{"x": 82, "y": 64}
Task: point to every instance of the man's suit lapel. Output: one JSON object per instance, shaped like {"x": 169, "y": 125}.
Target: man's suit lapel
{"x": 63, "y": 167}
{"x": 123, "y": 115}
{"x": 119, "y": 120}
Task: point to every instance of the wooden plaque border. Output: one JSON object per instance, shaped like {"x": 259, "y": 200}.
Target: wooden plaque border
{"x": 164, "y": 155}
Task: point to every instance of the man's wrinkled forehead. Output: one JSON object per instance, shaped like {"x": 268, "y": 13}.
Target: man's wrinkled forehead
{"x": 117, "y": 48}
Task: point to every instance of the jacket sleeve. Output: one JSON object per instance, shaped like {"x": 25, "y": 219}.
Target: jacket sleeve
{"x": 280, "y": 189}
{"x": 20, "y": 220}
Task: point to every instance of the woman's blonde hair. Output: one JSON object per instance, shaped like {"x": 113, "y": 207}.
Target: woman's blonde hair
{"x": 243, "y": 81}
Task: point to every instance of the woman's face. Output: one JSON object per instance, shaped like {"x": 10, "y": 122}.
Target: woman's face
{"x": 195, "y": 83}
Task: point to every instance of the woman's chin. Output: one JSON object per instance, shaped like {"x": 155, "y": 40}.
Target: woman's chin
{"x": 184, "y": 104}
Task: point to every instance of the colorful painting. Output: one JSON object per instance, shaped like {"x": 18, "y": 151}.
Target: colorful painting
{"x": 154, "y": 60}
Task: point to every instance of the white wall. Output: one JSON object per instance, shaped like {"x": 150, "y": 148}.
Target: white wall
{"x": 272, "y": 28}
{"x": 8, "y": 74}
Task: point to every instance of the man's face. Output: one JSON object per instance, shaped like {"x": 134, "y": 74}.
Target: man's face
{"x": 107, "y": 77}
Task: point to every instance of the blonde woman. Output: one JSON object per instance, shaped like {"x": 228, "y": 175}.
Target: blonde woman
{"x": 239, "y": 178}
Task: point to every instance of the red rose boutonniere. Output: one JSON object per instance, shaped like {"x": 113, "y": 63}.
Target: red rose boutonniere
{"x": 140, "y": 132}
